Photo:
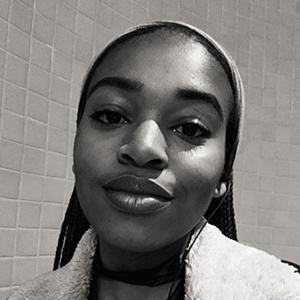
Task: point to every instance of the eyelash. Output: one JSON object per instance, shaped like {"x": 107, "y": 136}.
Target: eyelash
{"x": 203, "y": 131}
{"x": 97, "y": 115}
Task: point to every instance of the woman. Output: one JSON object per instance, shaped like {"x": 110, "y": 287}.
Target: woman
{"x": 157, "y": 133}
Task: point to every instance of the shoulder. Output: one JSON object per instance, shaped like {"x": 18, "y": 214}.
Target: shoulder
{"x": 44, "y": 286}
{"x": 237, "y": 270}
{"x": 69, "y": 282}
{"x": 297, "y": 267}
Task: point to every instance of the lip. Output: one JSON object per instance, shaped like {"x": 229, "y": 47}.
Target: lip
{"x": 140, "y": 186}
{"x": 137, "y": 195}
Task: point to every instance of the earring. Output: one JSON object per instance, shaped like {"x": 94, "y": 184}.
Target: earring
{"x": 220, "y": 190}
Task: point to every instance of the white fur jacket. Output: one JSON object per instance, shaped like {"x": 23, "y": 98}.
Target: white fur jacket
{"x": 216, "y": 268}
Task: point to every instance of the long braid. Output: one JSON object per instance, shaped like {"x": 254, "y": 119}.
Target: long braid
{"x": 224, "y": 217}
{"x": 229, "y": 226}
{"x": 73, "y": 227}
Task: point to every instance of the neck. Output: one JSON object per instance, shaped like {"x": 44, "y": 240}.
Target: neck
{"x": 117, "y": 259}
{"x": 110, "y": 289}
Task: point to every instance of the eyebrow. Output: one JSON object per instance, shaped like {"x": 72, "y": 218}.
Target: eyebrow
{"x": 118, "y": 82}
{"x": 183, "y": 93}
{"x": 195, "y": 94}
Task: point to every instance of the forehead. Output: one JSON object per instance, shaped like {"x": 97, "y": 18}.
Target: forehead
{"x": 163, "y": 62}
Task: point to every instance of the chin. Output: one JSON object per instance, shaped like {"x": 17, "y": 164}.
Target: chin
{"x": 133, "y": 237}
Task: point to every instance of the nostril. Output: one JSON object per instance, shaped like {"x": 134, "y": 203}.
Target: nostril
{"x": 127, "y": 158}
{"x": 156, "y": 163}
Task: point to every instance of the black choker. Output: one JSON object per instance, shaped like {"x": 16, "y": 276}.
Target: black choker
{"x": 161, "y": 274}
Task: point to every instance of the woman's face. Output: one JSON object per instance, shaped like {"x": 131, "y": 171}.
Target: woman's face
{"x": 150, "y": 147}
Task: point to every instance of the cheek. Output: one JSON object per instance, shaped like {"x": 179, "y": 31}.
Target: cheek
{"x": 91, "y": 155}
{"x": 198, "y": 171}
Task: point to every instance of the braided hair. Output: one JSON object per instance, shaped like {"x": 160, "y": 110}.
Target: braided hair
{"x": 75, "y": 223}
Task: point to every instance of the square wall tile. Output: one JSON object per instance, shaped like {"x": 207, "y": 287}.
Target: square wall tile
{"x": 78, "y": 72}
{"x": 1, "y": 93}
{"x": 21, "y": 16}
{"x": 43, "y": 29}
{"x": 46, "y": 8}
{"x": 56, "y": 165}
{"x": 34, "y": 160}
{"x": 6, "y": 271}
{"x": 103, "y": 36}
{"x": 60, "y": 90}
{"x": 8, "y": 213}
{"x": 45, "y": 265}
{"x": 264, "y": 235}
{"x": 18, "y": 42}
{"x": 7, "y": 242}
{"x": 75, "y": 95}
{"x": 32, "y": 187}
{"x": 294, "y": 204}
{"x": 29, "y": 3}
{"x": 5, "y": 293}
{"x": 14, "y": 98}
{"x": 48, "y": 242}
{"x": 83, "y": 50}
{"x": 58, "y": 140}
{"x": 36, "y": 134}
{"x": 73, "y": 118}
{"x": 66, "y": 16}
{"x": 10, "y": 155}
{"x": 293, "y": 253}
{"x": 39, "y": 81}
{"x": 2, "y": 63}
{"x": 9, "y": 184}
{"x": 62, "y": 65}
{"x": 29, "y": 215}
{"x": 3, "y": 33}
{"x": 64, "y": 40}
{"x": 247, "y": 233}
{"x": 70, "y": 3}
{"x": 41, "y": 55}
{"x": 70, "y": 170}
{"x": 266, "y": 184}
{"x": 52, "y": 215}
{"x": 294, "y": 237}
{"x": 37, "y": 107}
{"x": 105, "y": 15}
{"x": 85, "y": 26}
{"x": 24, "y": 270}
{"x": 68, "y": 194}
{"x": 280, "y": 219}
{"x": 59, "y": 115}
{"x": 4, "y": 9}
{"x": 27, "y": 242}
{"x": 16, "y": 70}
{"x": 54, "y": 190}
{"x": 88, "y": 7}
{"x": 12, "y": 126}
{"x": 294, "y": 220}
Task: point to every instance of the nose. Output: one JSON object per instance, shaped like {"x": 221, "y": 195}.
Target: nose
{"x": 146, "y": 147}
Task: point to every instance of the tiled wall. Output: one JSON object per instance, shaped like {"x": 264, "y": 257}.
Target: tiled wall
{"x": 45, "y": 48}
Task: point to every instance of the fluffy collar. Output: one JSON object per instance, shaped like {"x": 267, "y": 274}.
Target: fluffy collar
{"x": 216, "y": 268}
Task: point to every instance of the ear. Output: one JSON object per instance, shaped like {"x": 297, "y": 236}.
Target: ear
{"x": 220, "y": 190}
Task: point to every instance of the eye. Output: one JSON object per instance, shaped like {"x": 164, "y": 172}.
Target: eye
{"x": 192, "y": 130}
{"x": 109, "y": 117}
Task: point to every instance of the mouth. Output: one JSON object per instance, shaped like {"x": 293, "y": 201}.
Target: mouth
{"x": 136, "y": 195}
